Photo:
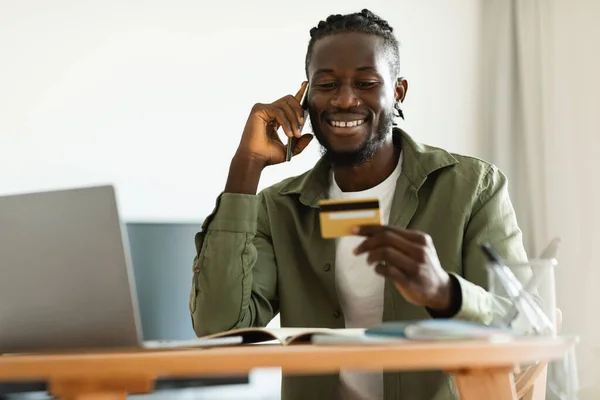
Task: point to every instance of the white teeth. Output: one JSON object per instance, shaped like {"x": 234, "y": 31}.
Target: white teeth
{"x": 349, "y": 124}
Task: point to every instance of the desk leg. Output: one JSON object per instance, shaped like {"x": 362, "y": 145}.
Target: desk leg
{"x": 537, "y": 391}
{"x": 100, "y": 388}
{"x": 486, "y": 384}
{"x": 96, "y": 396}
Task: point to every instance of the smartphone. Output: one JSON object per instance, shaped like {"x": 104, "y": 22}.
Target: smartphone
{"x": 292, "y": 141}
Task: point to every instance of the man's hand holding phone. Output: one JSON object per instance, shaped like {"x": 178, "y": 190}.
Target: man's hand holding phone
{"x": 260, "y": 145}
{"x": 260, "y": 139}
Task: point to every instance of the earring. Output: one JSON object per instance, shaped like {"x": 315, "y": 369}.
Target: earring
{"x": 399, "y": 112}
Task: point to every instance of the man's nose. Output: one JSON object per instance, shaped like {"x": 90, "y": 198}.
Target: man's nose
{"x": 345, "y": 97}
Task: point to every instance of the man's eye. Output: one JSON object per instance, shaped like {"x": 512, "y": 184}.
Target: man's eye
{"x": 366, "y": 84}
{"x": 326, "y": 85}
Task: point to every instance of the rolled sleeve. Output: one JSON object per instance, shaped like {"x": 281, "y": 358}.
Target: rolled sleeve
{"x": 493, "y": 221}
{"x": 235, "y": 213}
{"x": 476, "y": 302}
{"x": 234, "y": 279}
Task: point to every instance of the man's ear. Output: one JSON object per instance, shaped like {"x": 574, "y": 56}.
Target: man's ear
{"x": 401, "y": 89}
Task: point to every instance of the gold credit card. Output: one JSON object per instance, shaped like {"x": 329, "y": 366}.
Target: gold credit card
{"x": 338, "y": 217}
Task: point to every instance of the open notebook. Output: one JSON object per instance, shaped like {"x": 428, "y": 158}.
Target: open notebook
{"x": 390, "y": 332}
{"x": 285, "y": 336}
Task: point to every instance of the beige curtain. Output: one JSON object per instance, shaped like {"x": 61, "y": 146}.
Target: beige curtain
{"x": 540, "y": 88}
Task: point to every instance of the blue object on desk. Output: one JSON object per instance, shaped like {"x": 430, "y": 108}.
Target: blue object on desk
{"x": 390, "y": 328}
{"x": 439, "y": 329}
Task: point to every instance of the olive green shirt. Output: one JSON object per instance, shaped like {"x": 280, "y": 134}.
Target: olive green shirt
{"x": 258, "y": 255}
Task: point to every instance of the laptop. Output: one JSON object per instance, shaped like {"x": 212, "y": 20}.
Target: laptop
{"x": 66, "y": 280}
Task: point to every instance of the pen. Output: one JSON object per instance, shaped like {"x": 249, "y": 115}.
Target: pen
{"x": 521, "y": 300}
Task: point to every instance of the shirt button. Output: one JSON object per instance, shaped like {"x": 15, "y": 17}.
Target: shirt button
{"x": 337, "y": 314}
{"x": 327, "y": 267}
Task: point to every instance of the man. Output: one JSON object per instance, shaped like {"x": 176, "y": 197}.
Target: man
{"x": 259, "y": 254}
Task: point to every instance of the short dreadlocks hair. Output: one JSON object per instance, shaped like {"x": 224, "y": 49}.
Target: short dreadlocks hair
{"x": 362, "y": 22}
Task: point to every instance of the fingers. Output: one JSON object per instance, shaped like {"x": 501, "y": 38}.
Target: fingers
{"x": 270, "y": 113}
{"x": 287, "y": 112}
{"x": 293, "y": 114}
{"x": 390, "y": 237}
{"x": 293, "y": 109}
{"x": 391, "y": 272}
{"x": 411, "y": 235}
{"x": 392, "y": 258}
{"x": 272, "y": 133}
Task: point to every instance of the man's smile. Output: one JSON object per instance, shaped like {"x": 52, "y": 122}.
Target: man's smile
{"x": 345, "y": 123}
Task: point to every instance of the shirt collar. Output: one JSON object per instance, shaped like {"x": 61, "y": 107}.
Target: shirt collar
{"x": 419, "y": 162}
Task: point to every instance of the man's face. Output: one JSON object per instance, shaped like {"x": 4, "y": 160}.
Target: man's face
{"x": 351, "y": 96}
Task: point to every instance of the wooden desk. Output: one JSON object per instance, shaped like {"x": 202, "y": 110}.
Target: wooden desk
{"x": 482, "y": 370}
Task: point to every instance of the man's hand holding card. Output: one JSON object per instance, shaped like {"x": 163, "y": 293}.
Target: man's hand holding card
{"x": 406, "y": 257}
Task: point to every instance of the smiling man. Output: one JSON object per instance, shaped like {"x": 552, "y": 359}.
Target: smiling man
{"x": 260, "y": 254}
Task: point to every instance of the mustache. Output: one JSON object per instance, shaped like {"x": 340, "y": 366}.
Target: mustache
{"x": 356, "y": 111}
{"x": 331, "y": 113}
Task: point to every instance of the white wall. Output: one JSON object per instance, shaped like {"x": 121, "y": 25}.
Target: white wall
{"x": 573, "y": 193}
{"x": 153, "y": 95}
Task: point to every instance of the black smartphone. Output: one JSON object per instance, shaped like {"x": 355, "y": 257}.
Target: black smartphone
{"x": 292, "y": 141}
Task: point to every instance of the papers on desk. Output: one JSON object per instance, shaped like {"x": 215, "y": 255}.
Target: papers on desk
{"x": 176, "y": 344}
{"x": 390, "y": 332}
{"x": 397, "y": 332}
{"x": 360, "y": 340}
{"x": 440, "y": 329}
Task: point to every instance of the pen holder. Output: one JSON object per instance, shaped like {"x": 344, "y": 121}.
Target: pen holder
{"x": 525, "y": 296}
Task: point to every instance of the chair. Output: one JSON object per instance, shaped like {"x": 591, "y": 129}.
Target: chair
{"x": 531, "y": 382}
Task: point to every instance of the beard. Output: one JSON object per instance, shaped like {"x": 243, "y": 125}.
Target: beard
{"x": 367, "y": 149}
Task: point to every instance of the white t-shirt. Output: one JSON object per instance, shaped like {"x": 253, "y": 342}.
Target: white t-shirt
{"x": 359, "y": 288}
